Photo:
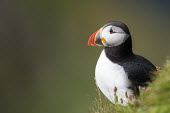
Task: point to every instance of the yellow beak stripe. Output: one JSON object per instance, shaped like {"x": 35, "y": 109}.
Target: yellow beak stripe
{"x": 103, "y": 39}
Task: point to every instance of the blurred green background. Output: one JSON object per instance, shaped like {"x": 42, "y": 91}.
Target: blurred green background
{"x": 45, "y": 63}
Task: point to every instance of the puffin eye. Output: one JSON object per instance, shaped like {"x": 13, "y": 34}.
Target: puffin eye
{"x": 111, "y": 31}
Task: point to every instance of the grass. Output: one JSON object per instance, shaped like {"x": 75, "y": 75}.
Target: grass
{"x": 155, "y": 99}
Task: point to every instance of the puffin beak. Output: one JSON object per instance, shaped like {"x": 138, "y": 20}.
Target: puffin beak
{"x": 94, "y": 39}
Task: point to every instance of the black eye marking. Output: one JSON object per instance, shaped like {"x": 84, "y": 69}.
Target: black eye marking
{"x": 111, "y": 31}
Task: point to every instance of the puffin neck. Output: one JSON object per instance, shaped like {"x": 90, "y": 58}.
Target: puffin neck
{"x": 117, "y": 53}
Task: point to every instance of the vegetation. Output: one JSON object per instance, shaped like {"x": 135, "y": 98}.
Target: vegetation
{"x": 155, "y": 99}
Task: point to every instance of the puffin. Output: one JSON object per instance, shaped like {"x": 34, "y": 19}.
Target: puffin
{"x": 119, "y": 73}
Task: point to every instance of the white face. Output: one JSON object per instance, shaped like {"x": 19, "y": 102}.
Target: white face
{"x": 113, "y": 36}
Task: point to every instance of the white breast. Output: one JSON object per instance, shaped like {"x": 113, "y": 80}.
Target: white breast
{"x": 110, "y": 75}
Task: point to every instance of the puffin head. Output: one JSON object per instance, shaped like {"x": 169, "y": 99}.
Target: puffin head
{"x": 111, "y": 34}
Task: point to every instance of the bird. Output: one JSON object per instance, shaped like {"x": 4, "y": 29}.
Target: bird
{"x": 119, "y": 72}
